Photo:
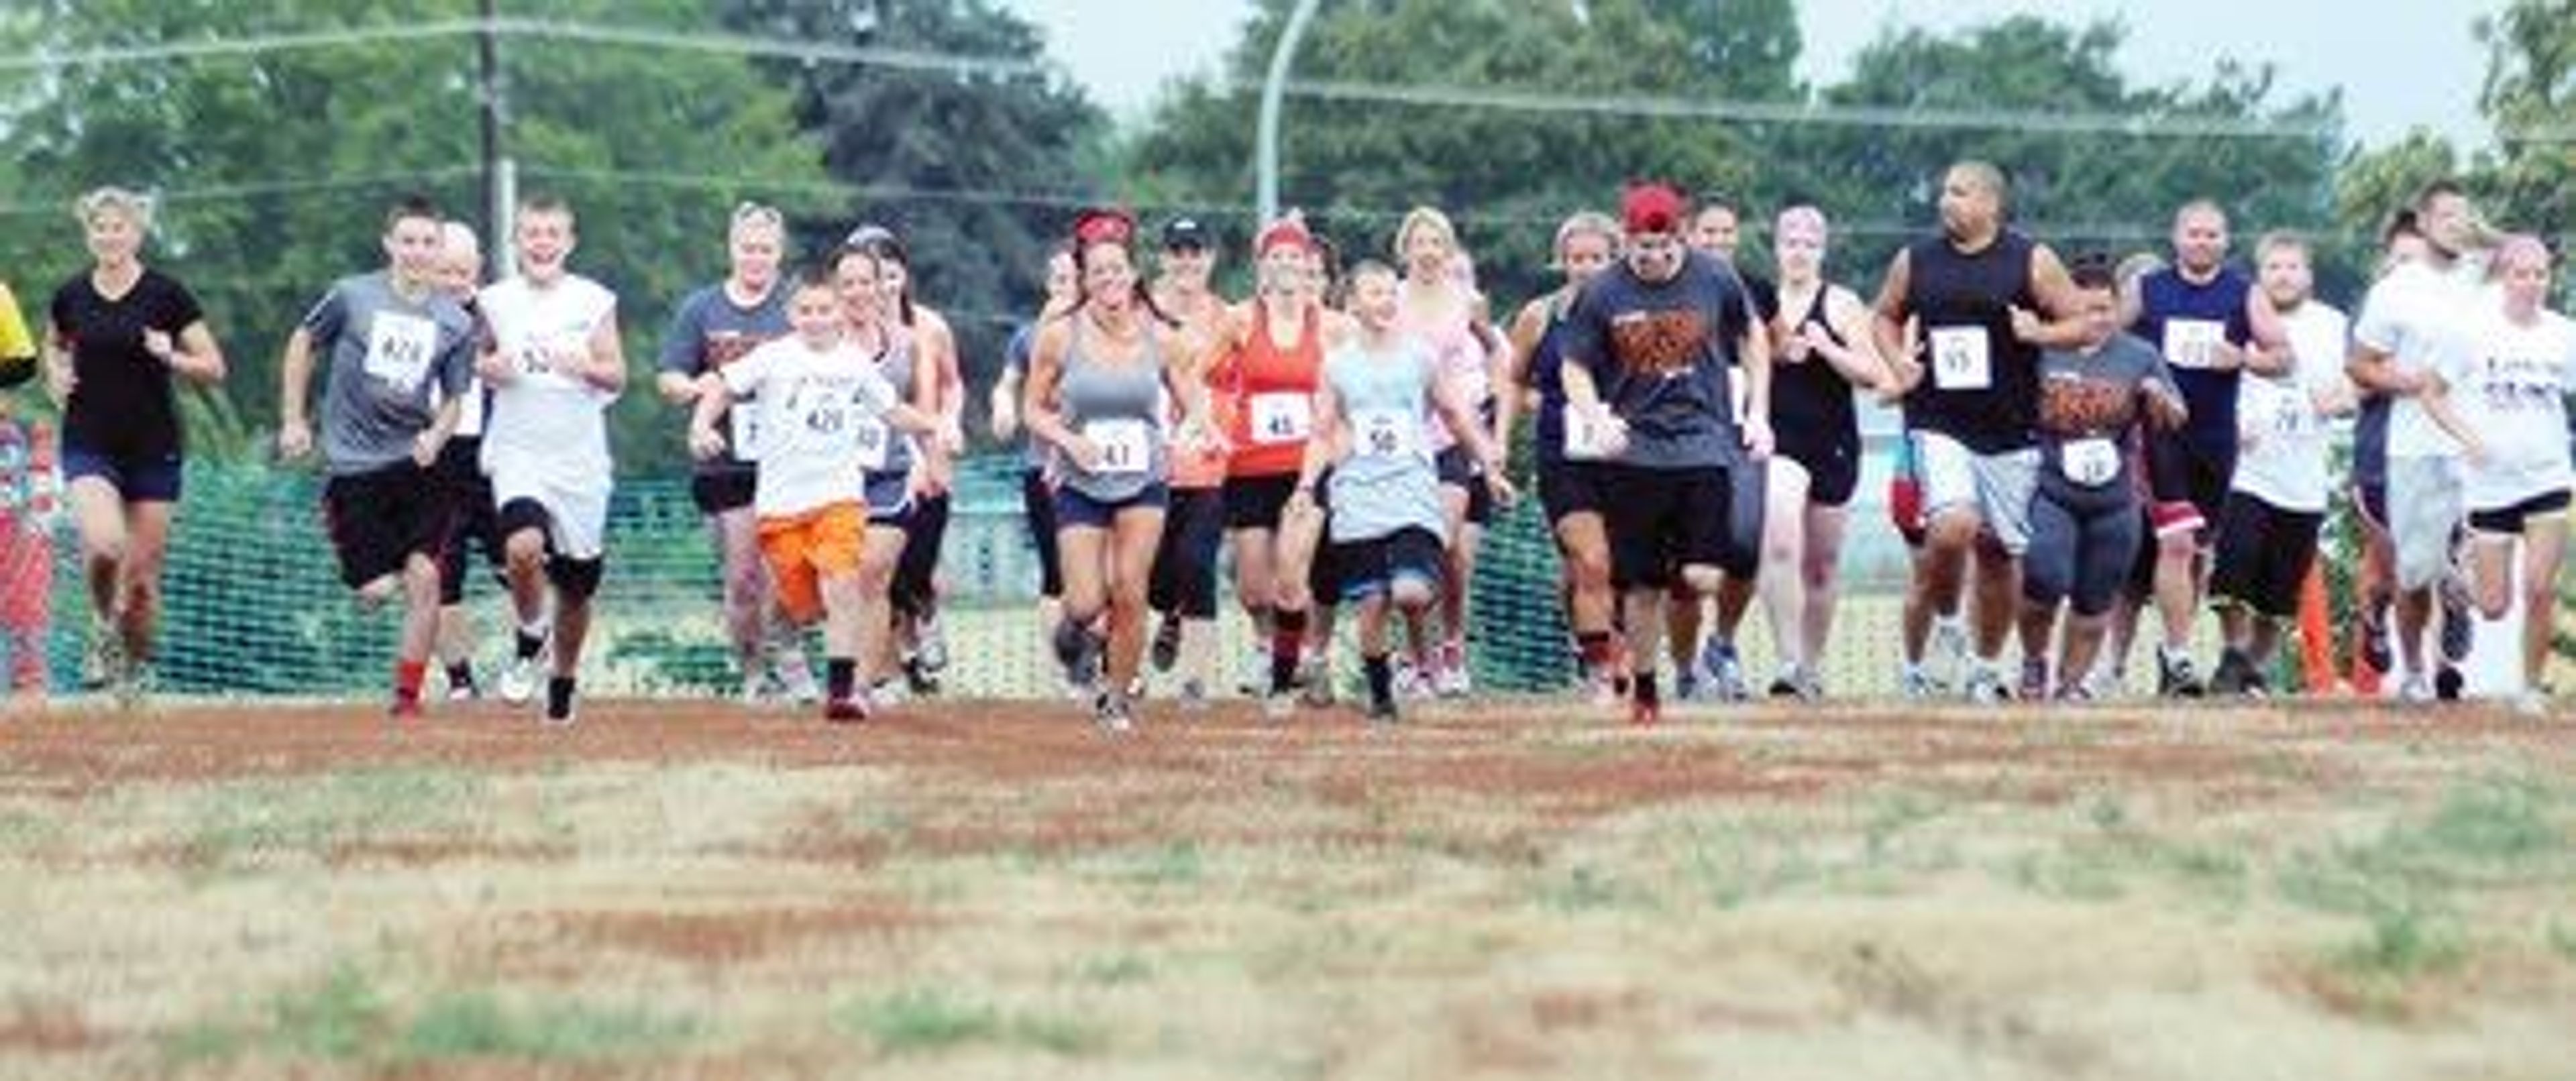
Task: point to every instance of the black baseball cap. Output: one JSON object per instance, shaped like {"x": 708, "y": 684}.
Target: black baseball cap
{"x": 1185, "y": 233}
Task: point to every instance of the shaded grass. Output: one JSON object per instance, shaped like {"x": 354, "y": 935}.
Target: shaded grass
{"x": 345, "y": 1017}
{"x": 921, "y": 1021}
{"x": 243, "y": 825}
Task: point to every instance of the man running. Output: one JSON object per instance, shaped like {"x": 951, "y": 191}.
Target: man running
{"x": 557, "y": 365}
{"x": 400, "y": 354}
{"x": 1972, "y": 396}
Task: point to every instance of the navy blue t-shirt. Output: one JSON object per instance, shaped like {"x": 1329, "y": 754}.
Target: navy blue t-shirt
{"x": 1661, "y": 355}
{"x": 2183, "y": 321}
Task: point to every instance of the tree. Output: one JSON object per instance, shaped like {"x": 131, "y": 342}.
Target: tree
{"x": 2529, "y": 181}
{"x": 276, "y": 164}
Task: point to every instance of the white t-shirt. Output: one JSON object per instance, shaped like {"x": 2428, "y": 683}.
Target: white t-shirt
{"x": 543, "y": 417}
{"x": 2422, "y": 318}
{"x": 2512, "y": 392}
{"x": 2284, "y": 458}
{"x": 820, "y": 413}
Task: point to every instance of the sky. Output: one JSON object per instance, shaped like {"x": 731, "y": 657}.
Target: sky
{"x": 2402, "y": 64}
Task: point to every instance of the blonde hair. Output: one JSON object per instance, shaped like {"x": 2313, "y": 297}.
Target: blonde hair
{"x": 1586, "y": 223}
{"x": 134, "y": 206}
{"x": 1423, "y": 217}
{"x": 752, "y": 215}
{"x": 1802, "y": 219}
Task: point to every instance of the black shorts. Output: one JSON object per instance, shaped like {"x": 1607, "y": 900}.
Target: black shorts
{"x": 1359, "y": 570}
{"x": 474, "y": 522}
{"x": 2179, "y": 471}
{"x": 1459, "y": 469}
{"x": 1568, "y": 488}
{"x": 1661, "y": 520}
{"x": 1037, "y": 503}
{"x": 2264, "y": 554}
{"x": 1833, "y": 467}
{"x": 721, "y": 491}
{"x": 1256, "y": 502}
{"x": 379, "y": 520}
{"x": 2508, "y": 521}
{"x": 916, "y": 575}
{"x": 2142, "y": 570}
{"x": 1184, "y": 580}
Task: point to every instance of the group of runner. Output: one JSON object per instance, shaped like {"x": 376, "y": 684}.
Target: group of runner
{"x": 2083, "y": 442}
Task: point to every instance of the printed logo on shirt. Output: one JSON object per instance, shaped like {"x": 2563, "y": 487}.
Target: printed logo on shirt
{"x": 1664, "y": 343}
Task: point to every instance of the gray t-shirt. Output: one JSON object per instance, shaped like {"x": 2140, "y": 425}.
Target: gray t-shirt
{"x": 1661, "y": 354}
{"x": 390, "y": 361}
{"x": 2090, "y": 406}
{"x": 1387, "y": 483}
{"x": 709, "y": 332}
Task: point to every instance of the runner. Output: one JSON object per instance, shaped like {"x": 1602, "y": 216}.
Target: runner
{"x": 1825, "y": 353}
{"x": 1265, "y": 375}
{"x": 2084, "y": 522}
{"x": 716, "y": 326}
{"x": 2375, "y": 583}
{"x": 119, "y": 333}
{"x": 1435, "y": 305}
{"x": 1568, "y": 488}
{"x": 556, "y": 366}
{"x": 460, "y": 470}
{"x": 2267, "y": 535}
{"x": 2213, "y": 326}
{"x": 1651, "y": 346}
{"x": 934, "y": 347}
{"x": 2505, "y": 403}
{"x": 400, "y": 353}
{"x": 1184, "y": 586}
{"x": 820, "y": 399}
{"x": 888, "y": 463}
{"x": 2413, "y": 323}
{"x": 1373, "y": 441}
{"x": 1709, "y": 665}
{"x": 1094, "y": 394}
{"x": 1037, "y": 498}
{"x": 1972, "y": 395}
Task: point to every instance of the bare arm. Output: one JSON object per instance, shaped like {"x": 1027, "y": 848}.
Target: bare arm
{"x": 2269, "y": 351}
{"x": 1005, "y": 403}
{"x": 2058, "y": 324}
{"x": 1859, "y": 360}
{"x": 2374, "y": 370}
{"x": 193, "y": 355}
{"x": 1888, "y": 318}
{"x": 1323, "y": 445}
{"x": 2436, "y": 399}
{"x": 1499, "y": 366}
{"x": 712, "y": 398}
{"x": 1037, "y": 394}
{"x": 294, "y": 389}
{"x": 602, "y": 364}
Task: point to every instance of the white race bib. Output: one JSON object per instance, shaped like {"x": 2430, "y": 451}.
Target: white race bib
{"x": 1388, "y": 433}
{"x": 1281, "y": 417}
{"x": 2193, "y": 343}
{"x": 744, "y": 421}
{"x": 2089, "y": 462}
{"x": 1737, "y": 393}
{"x": 872, "y": 441}
{"x": 400, "y": 348}
{"x": 1126, "y": 446}
{"x": 1587, "y": 437}
{"x": 1962, "y": 359}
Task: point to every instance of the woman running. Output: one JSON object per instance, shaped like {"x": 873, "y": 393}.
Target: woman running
{"x": 1184, "y": 586}
{"x": 1585, "y": 243}
{"x": 934, "y": 347}
{"x": 1096, "y": 384}
{"x": 1037, "y": 496}
{"x": 886, "y": 458}
{"x": 120, "y": 332}
{"x": 1437, "y": 305}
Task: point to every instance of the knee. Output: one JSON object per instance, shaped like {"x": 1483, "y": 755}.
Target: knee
{"x": 526, "y": 550}
{"x": 108, "y": 549}
{"x": 1951, "y": 535}
{"x": 1413, "y": 594}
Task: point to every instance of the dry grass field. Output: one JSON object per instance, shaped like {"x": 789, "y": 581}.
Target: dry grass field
{"x": 1514, "y": 890}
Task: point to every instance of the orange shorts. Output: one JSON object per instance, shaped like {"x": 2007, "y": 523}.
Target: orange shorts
{"x": 803, "y": 549}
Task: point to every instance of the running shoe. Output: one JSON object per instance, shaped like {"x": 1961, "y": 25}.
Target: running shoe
{"x": 521, "y": 678}
{"x": 2449, "y": 684}
{"x": 2234, "y": 674}
{"x": 930, "y": 645}
{"x": 1193, "y": 697}
{"x": 1450, "y": 679}
{"x": 2176, "y": 677}
{"x": 1383, "y": 712}
{"x": 1112, "y": 713}
{"x": 1167, "y": 642}
{"x": 2459, "y": 619}
{"x": 849, "y": 710}
{"x": 1986, "y": 686}
{"x": 559, "y": 710}
{"x": 1722, "y": 672}
{"x": 2374, "y": 636}
{"x": 2034, "y": 680}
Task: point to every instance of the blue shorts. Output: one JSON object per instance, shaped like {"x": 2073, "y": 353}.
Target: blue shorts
{"x": 1074, "y": 510}
{"x": 138, "y": 478}
{"x": 1363, "y": 569}
{"x": 889, "y": 498}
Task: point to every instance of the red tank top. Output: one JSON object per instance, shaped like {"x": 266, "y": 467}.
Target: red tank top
{"x": 1273, "y": 394}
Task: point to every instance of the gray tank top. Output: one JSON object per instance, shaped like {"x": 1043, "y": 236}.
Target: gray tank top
{"x": 897, "y": 366}
{"x": 1116, "y": 405}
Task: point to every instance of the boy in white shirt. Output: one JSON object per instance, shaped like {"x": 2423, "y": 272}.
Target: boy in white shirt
{"x": 814, "y": 392}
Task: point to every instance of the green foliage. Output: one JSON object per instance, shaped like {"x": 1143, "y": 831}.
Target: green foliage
{"x": 929, "y": 1021}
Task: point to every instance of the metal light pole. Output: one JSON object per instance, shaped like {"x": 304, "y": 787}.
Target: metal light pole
{"x": 1281, "y": 56}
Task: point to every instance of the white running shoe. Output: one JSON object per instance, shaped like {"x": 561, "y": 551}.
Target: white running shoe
{"x": 521, "y": 678}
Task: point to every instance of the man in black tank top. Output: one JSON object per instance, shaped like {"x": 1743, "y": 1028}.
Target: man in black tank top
{"x": 1957, "y": 321}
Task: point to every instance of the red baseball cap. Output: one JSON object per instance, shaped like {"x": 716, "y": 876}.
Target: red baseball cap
{"x": 1652, "y": 207}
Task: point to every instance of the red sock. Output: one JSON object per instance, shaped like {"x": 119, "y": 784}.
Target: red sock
{"x": 408, "y": 676}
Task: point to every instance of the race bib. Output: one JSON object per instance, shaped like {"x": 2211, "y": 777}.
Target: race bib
{"x": 1962, "y": 359}
{"x": 1587, "y": 437}
{"x": 1126, "y": 446}
{"x": 1736, "y": 395}
{"x": 744, "y": 421}
{"x": 2193, "y": 343}
{"x": 872, "y": 442}
{"x": 1388, "y": 433}
{"x": 2089, "y": 462}
{"x": 1281, "y": 417}
{"x": 400, "y": 348}
{"x": 2292, "y": 414}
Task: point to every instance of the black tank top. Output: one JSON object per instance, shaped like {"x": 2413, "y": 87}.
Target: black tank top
{"x": 1811, "y": 403}
{"x": 1964, "y": 302}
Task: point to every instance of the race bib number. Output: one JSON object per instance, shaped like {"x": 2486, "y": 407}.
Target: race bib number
{"x": 872, "y": 442}
{"x": 1737, "y": 394}
{"x": 2193, "y": 343}
{"x": 2089, "y": 462}
{"x": 744, "y": 422}
{"x": 1126, "y": 446}
{"x": 1962, "y": 359}
{"x": 1587, "y": 437}
{"x": 400, "y": 348}
{"x": 2292, "y": 415}
{"x": 1388, "y": 433}
{"x": 1281, "y": 417}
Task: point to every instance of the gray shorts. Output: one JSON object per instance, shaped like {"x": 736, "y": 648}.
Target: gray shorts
{"x": 2424, "y": 512}
{"x": 1997, "y": 488}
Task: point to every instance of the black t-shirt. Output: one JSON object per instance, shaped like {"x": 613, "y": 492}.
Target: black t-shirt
{"x": 123, "y": 405}
{"x": 1662, "y": 359}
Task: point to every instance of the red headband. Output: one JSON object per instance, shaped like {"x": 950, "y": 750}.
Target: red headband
{"x": 1652, "y": 208}
{"x": 1103, "y": 226}
{"x": 1285, "y": 232}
